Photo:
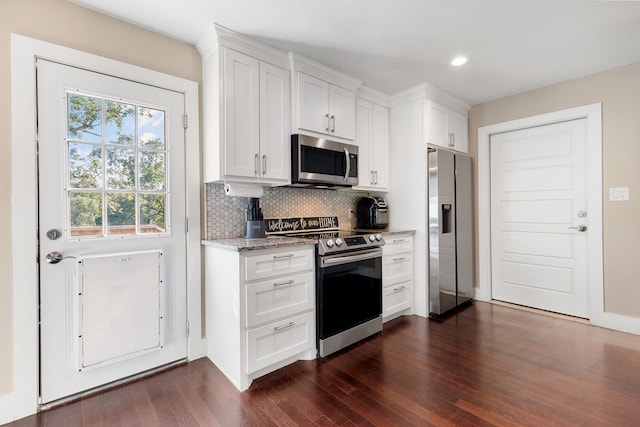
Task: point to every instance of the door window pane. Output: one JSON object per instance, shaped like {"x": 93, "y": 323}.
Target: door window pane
{"x": 121, "y": 213}
{"x": 152, "y": 213}
{"x": 85, "y": 165}
{"x": 151, "y": 128}
{"x": 84, "y": 117}
{"x": 121, "y": 169}
{"x": 117, "y": 160}
{"x": 152, "y": 170}
{"x": 120, "y": 124}
{"x": 86, "y": 214}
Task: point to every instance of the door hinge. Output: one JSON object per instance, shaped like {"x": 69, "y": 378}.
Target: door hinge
{"x": 185, "y": 121}
{"x": 187, "y": 329}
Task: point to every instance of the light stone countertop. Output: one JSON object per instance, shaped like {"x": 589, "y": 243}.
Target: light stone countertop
{"x": 241, "y": 244}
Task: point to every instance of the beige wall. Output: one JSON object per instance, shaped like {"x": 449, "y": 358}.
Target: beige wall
{"x": 619, "y": 92}
{"x": 66, "y": 24}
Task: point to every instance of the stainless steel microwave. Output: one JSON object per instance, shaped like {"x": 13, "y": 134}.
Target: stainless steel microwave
{"x": 319, "y": 162}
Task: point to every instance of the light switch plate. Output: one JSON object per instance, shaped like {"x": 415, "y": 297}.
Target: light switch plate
{"x": 617, "y": 194}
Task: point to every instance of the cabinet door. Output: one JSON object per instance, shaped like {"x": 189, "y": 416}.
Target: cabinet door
{"x": 397, "y": 244}
{"x": 277, "y": 341}
{"x": 457, "y": 131}
{"x": 396, "y": 298}
{"x": 364, "y": 118}
{"x": 397, "y": 268}
{"x": 437, "y": 124}
{"x": 276, "y": 263}
{"x": 342, "y": 110}
{"x": 380, "y": 147}
{"x": 269, "y": 300}
{"x": 242, "y": 114}
{"x": 313, "y": 104}
{"x": 275, "y": 124}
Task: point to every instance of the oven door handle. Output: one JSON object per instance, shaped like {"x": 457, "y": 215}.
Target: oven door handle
{"x": 345, "y": 259}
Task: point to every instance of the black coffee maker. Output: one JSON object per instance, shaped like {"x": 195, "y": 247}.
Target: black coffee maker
{"x": 372, "y": 213}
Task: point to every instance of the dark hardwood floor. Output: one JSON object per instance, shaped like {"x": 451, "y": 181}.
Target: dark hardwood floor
{"x": 487, "y": 365}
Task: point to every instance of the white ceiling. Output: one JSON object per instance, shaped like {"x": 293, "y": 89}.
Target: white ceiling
{"x": 514, "y": 45}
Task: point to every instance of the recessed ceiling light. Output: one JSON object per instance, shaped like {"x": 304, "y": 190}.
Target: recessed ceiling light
{"x": 459, "y": 60}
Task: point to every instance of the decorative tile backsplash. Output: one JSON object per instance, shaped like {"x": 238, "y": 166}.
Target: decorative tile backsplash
{"x": 226, "y": 214}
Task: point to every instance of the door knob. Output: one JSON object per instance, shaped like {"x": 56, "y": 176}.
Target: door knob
{"x": 580, "y": 227}
{"x": 55, "y": 257}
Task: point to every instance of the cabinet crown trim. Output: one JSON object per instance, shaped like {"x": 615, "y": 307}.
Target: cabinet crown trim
{"x": 369, "y": 94}
{"x": 426, "y": 90}
{"x": 216, "y": 35}
{"x": 300, "y": 63}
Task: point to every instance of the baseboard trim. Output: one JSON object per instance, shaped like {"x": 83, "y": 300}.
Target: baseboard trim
{"x": 7, "y": 413}
{"x": 618, "y": 322}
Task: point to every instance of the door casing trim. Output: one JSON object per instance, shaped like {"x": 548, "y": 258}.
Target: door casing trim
{"x": 24, "y": 51}
{"x": 595, "y": 282}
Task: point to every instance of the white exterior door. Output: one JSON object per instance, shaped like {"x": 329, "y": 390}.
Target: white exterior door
{"x": 111, "y": 229}
{"x": 539, "y": 217}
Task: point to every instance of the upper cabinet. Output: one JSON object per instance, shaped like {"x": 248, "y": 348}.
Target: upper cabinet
{"x": 372, "y": 138}
{"x": 446, "y": 127}
{"x": 323, "y": 100}
{"x": 246, "y": 109}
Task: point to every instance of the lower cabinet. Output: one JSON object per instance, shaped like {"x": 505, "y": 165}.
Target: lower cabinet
{"x": 260, "y": 310}
{"x": 397, "y": 275}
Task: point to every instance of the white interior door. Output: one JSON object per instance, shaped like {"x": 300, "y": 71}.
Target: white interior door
{"x": 111, "y": 229}
{"x": 539, "y": 218}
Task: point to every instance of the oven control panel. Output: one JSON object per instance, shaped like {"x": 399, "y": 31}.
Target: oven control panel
{"x": 349, "y": 243}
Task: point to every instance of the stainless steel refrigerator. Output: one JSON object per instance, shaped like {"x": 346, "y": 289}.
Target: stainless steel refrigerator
{"x": 450, "y": 231}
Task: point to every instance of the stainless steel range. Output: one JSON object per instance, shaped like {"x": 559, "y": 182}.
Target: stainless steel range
{"x": 348, "y": 287}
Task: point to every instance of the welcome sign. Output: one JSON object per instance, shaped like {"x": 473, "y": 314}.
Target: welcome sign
{"x": 287, "y": 225}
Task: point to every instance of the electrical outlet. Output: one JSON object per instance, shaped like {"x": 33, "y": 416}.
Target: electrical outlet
{"x": 351, "y": 213}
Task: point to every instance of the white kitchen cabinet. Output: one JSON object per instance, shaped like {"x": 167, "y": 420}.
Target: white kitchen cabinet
{"x": 323, "y": 100}
{"x": 247, "y": 111}
{"x": 372, "y": 138}
{"x": 325, "y": 108}
{"x": 260, "y": 309}
{"x": 397, "y": 275}
{"x": 446, "y": 127}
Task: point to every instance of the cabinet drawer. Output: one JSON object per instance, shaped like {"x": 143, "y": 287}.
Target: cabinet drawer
{"x": 271, "y": 264}
{"x": 274, "y": 299}
{"x": 397, "y": 268}
{"x": 277, "y": 341}
{"x": 396, "y": 298}
{"x": 396, "y": 244}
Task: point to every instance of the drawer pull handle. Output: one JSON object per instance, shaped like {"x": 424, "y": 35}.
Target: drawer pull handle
{"x": 287, "y": 283}
{"x": 284, "y": 328}
{"x": 399, "y": 259}
{"x": 398, "y": 240}
{"x": 399, "y": 289}
{"x": 282, "y": 256}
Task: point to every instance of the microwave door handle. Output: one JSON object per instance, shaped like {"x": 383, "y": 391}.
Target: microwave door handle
{"x": 346, "y": 157}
